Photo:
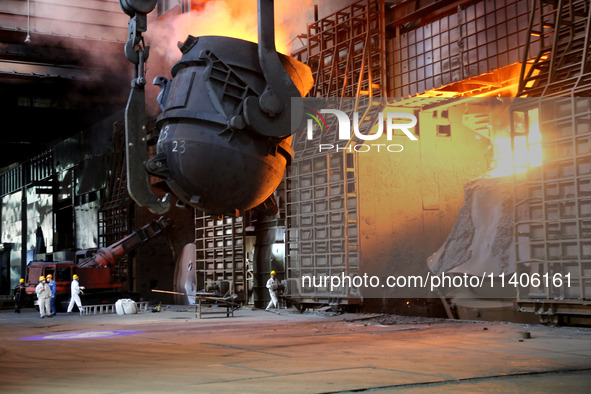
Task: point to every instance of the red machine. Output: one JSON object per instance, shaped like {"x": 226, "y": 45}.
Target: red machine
{"x": 94, "y": 267}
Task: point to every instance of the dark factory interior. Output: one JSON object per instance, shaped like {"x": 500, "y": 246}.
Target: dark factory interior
{"x": 426, "y": 159}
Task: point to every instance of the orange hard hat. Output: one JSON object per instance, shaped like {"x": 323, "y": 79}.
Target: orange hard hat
{"x": 49, "y": 276}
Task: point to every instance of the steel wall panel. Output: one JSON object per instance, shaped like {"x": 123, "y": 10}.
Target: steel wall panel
{"x": 553, "y": 232}
{"x": 476, "y": 40}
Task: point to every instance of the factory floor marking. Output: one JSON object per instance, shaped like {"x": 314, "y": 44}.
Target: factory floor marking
{"x": 81, "y": 335}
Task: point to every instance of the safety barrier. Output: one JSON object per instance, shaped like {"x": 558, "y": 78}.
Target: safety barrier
{"x": 142, "y": 306}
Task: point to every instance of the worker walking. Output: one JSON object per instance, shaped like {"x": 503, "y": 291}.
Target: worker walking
{"x": 273, "y": 286}
{"x": 19, "y": 295}
{"x": 53, "y": 289}
{"x": 76, "y": 291}
{"x": 43, "y": 295}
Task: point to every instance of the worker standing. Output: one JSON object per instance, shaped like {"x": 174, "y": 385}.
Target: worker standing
{"x": 19, "y": 294}
{"x": 43, "y": 295}
{"x": 53, "y": 288}
{"x": 76, "y": 291}
{"x": 273, "y": 286}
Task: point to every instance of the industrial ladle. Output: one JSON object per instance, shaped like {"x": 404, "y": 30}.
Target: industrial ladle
{"x": 227, "y": 120}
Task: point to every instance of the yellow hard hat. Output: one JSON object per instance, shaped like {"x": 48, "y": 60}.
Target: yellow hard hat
{"x": 49, "y": 276}
{"x": 273, "y": 273}
{"x": 75, "y": 276}
{"x": 41, "y": 278}
{"x": 21, "y": 281}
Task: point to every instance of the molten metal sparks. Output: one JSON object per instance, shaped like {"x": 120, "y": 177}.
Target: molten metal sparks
{"x": 525, "y": 153}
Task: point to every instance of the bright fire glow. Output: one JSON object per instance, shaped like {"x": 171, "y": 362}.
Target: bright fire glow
{"x": 230, "y": 18}
{"x": 526, "y": 152}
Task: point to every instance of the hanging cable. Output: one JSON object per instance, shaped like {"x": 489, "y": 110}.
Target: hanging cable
{"x": 28, "y": 38}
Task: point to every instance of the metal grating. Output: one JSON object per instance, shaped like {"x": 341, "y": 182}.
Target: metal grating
{"x": 220, "y": 253}
{"x": 114, "y": 218}
{"x": 114, "y": 212}
{"x": 553, "y": 208}
{"x": 346, "y": 52}
{"x": 322, "y": 235}
{"x": 479, "y": 38}
{"x": 562, "y": 63}
{"x": 31, "y": 172}
{"x": 322, "y": 207}
{"x": 553, "y": 202}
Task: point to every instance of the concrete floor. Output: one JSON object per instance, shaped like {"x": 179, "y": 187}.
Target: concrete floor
{"x": 258, "y": 351}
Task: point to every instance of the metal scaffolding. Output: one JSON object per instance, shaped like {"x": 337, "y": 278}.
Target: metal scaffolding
{"x": 459, "y": 52}
{"x": 347, "y": 54}
{"x": 553, "y": 201}
{"x": 114, "y": 216}
{"x": 114, "y": 212}
{"x": 35, "y": 172}
{"x": 563, "y": 64}
{"x": 553, "y": 210}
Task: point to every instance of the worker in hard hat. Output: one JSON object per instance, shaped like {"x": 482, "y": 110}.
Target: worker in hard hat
{"x": 43, "y": 295}
{"x": 76, "y": 291}
{"x": 273, "y": 286}
{"x": 53, "y": 288}
{"x": 19, "y": 293}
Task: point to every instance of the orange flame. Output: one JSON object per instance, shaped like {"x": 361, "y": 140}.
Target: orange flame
{"x": 231, "y": 18}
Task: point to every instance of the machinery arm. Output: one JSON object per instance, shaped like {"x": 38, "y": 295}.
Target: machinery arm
{"x": 270, "y": 115}
{"x": 135, "y": 112}
{"x": 106, "y": 256}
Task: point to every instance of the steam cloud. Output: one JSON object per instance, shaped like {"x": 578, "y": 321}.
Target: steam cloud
{"x": 231, "y": 18}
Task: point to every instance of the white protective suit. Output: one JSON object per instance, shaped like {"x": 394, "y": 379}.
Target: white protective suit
{"x": 272, "y": 285}
{"x": 43, "y": 295}
{"x": 75, "y": 290}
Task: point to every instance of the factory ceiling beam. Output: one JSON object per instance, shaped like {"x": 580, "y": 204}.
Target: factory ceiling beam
{"x": 47, "y": 71}
{"x": 433, "y": 11}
